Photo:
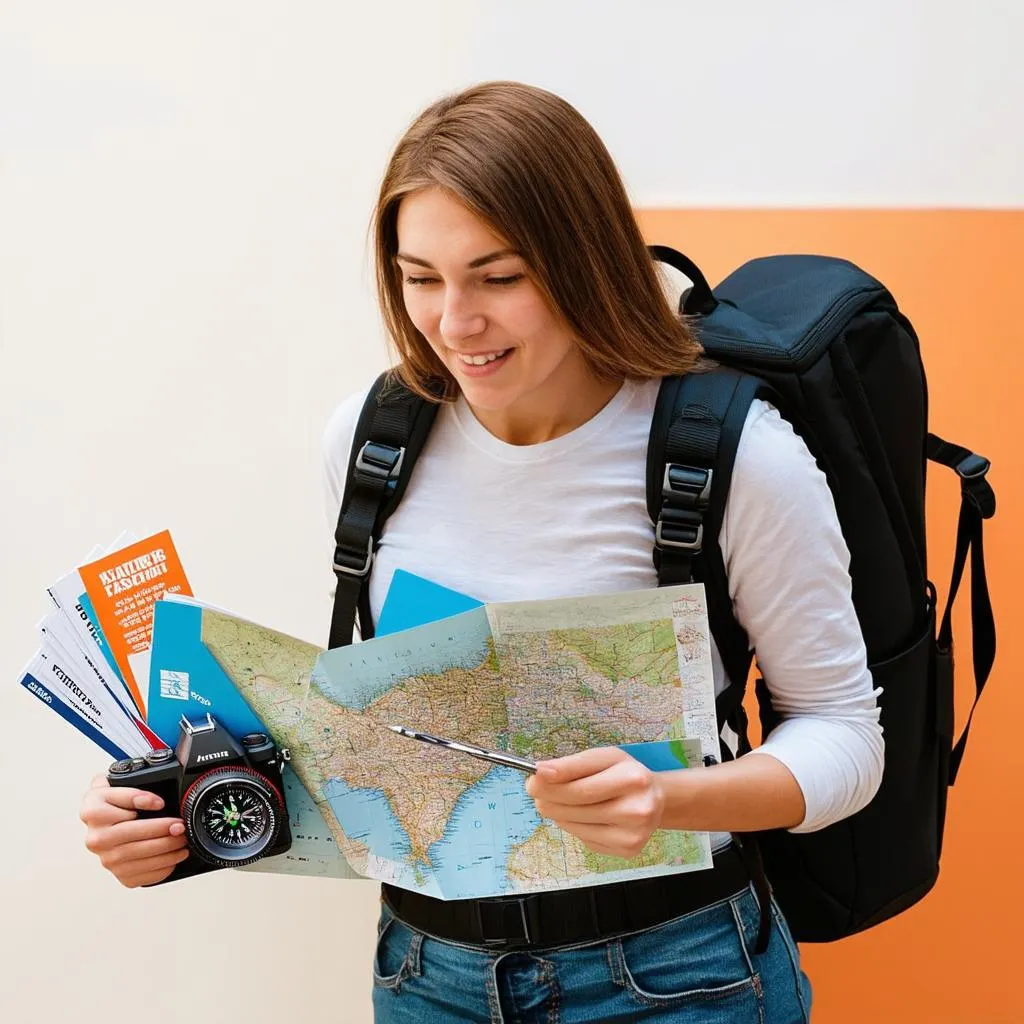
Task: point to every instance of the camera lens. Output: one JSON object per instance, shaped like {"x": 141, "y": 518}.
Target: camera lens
{"x": 159, "y": 756}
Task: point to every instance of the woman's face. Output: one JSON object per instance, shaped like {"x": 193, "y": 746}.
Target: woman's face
{"x": 470, "y": 296}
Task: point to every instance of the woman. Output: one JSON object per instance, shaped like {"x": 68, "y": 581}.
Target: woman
{"x": 510, "y": 267}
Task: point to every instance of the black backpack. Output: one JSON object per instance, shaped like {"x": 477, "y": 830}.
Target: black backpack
{"x": 826, "y": 344}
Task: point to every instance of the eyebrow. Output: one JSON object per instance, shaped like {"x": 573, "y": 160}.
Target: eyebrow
{"x": 480, "y": 261}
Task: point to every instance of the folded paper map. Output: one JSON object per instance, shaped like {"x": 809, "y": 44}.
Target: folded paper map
{"x": 540, "y": 678}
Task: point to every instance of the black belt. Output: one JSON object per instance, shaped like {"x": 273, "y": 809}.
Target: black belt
{"x": 570, "y": 916}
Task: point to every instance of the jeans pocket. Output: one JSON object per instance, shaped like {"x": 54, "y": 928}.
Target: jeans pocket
{"x": 698, "y": 958}
{"x": 397, "y": 953}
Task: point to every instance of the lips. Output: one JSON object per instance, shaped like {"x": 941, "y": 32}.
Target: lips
{"x": 480, "y": 358}
{"x": 477, "y": 364}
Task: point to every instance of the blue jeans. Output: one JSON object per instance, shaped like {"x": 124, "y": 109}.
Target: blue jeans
{"x": 698, "y": 968}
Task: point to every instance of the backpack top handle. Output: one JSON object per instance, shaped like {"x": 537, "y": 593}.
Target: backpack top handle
{"x": 699, "y": 298}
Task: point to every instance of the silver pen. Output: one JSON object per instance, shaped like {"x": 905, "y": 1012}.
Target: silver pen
{"x": 494, "y": 756}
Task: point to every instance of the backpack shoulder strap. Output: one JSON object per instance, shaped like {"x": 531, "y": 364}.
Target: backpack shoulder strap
{"x": 389, "y": 436}
{"x": 695, "y": 432}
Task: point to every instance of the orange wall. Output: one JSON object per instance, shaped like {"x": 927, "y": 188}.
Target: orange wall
{"x": 959, "y": 276}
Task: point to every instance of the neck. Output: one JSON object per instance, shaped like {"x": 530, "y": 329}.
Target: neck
{"x": 535, "y": 420}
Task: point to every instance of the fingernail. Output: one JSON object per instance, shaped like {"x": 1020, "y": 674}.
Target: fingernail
{"x": 148, "y": 802}
{"x": 177, "y": 828}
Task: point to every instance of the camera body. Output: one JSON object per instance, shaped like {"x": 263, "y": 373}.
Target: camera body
{"x": 228, "y": 792}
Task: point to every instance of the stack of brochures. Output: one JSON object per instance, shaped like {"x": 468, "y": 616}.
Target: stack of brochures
{"x": 92, "y": 663}
{"x": 128, "y": 652}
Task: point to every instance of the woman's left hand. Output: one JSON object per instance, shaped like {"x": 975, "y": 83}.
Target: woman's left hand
{"x": 603, "y": 796}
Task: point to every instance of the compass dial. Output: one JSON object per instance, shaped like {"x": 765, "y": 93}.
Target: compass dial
{"x": 232, "y": 815}
{"x": 235, "y": 815}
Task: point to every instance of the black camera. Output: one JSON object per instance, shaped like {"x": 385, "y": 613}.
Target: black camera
{"x": 229, "y": 794}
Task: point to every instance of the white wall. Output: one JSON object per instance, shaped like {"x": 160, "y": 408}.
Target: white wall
{"x": 184, "y": 192}
{"x": 788, "y": 103}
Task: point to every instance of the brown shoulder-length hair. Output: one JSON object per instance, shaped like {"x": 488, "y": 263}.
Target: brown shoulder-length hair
{"x": 530, "y": 165}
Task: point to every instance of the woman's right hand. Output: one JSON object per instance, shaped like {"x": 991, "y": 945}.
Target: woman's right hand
{"x": 137, "y": 851}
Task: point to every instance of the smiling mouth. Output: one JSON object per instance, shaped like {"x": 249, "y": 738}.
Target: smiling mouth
{"x": 483, "y": 358}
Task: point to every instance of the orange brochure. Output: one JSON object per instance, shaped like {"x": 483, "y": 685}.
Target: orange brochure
{"x": 123, "y": 587}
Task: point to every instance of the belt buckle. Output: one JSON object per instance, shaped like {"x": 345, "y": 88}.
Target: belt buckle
{"x": 489, "y": 937}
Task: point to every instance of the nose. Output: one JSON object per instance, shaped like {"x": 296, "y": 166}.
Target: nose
{"x": 459, "y": 320}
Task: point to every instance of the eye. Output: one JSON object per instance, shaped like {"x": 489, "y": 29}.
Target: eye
{"x": 420, "y": 280}
{"x": 510, "y": 279}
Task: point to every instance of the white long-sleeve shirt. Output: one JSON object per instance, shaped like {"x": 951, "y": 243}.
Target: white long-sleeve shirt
{"x": 569, "y": 517}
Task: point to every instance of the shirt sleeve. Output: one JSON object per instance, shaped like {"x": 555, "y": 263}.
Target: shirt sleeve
{"x": 789, "y": 580}
{"x": 337, "y": 447}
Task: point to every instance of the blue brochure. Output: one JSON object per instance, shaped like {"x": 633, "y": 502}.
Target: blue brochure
{"x": 186, "y": 679}
{"x": 414, "y": 601}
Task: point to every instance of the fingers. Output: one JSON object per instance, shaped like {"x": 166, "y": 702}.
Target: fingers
{"x": 634, "y": 816}
{"x": 138, "y": 851}
{"x": 585, "y": 814}
{"x": 610, "y": 840}
{"x": 624, "y": 775}
{"x": 150, "y": 870}
{"x": 105, "y": 838}
{"x": 128, "y": 854}
{"x": 107, "y": 805}
{"x": 578, "y": 766}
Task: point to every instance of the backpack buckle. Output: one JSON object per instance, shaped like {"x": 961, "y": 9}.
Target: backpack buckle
{"x": 380, "y": 461}
{"x": 974, "y": 487}
{"x": 353, "y": 564}
{"x": 972, "y": 467}
{"x": 679, "y": 528}
{"x": 687, "y": 485}
{"x": 686, "y": 490}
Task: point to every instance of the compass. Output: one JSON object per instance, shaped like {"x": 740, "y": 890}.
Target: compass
{"x": 232, "y": 815}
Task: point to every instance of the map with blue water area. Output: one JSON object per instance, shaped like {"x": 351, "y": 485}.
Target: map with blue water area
{"x": 539, "y": 678}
